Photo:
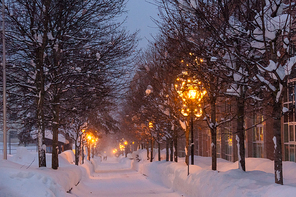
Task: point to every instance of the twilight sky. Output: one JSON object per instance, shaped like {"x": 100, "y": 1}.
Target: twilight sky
{"x": 139, "y": 18}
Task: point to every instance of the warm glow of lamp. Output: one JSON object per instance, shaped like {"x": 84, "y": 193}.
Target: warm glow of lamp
{"x": 125, "y": 143}
{"x": 192, "y": 94}
{"x": 89, "y": 137}
{"x": 150, "y": 124}
{"x": 198, "y": 112}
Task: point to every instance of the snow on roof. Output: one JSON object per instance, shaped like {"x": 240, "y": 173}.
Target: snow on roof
{"x": 48, "y": 135}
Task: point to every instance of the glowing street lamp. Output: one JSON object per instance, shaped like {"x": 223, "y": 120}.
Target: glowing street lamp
{"x": 114, "y": 151}
{"x": 191, "y": 91}
{"x": 150, "y": 125}
{"x": 82, "y": 137}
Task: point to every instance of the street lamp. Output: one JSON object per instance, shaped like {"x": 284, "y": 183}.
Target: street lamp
{"x": 82, "y": 145}
{"x": 89, "y": 138}
{"x": 150, "y": 125}
{"x": 191, "y": 91}
{"x": 93, "y": 147}
{"x": 125, "y": 143}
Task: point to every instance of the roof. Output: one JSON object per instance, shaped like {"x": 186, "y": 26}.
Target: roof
{"x": 48, "y": 135}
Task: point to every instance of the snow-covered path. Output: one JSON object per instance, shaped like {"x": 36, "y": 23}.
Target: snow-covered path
{"x": 112, "y": 180}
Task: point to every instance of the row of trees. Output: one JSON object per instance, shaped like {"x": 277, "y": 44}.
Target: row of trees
{"x": 242, "y": 50}
{"x": 66, "y": 60}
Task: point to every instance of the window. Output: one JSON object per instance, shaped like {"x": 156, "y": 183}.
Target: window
{"x": 290, "y": 124}
{"x": 291, "y": 132}
{"x": 292, "y": 153}
{"x": 258, "y": 150}
{"x": 258, "y": 136}
{"x": 218, "y": 143}
{"x": 228, "y": 146}
{"x": 292, "y": 49}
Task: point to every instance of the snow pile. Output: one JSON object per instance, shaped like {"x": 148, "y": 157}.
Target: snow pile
{"x": 21, "y": 176}
{"x": 228, "y": 181}
{"x": 87, "y": 168}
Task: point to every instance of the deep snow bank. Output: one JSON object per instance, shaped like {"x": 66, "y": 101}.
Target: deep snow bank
{"x": 21, "y": 176}
{"x": 229, "y": 182}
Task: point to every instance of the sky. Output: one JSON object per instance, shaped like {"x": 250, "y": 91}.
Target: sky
{"x": 139, "y": 18}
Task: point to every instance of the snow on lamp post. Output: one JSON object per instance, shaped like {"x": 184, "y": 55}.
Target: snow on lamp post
{"x": 191, "y": 91}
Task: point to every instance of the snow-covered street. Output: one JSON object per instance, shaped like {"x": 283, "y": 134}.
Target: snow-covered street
{"x": 111, "y": 180}
{"x": 137, "y": 176}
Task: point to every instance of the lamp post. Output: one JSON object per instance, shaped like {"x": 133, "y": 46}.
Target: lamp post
{"x": 89, "y": 138}
{"x": 191, "y": 91}
{"x": 82, "y": 145}
{"x": 125, "y": 148}
{"x": 150, "y": 127}
{"x": 93, "y": 147}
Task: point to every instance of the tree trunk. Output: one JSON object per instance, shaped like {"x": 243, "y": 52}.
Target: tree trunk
{"x": 172, "y": 150}
{"x": 151, "y": 158}
{"x": 82, "y": 152}
{"x": 147, "y": 150}
{"x": 278, "y": 166}
{"x": 159, "y": 158}
{"x": 39, "y": 81}
{"x": 187, "y": 146}
{"x": 167, "y": 150}
{"x": 176, "y": 146}
{"x": 77, "y": 151}
{"x": 192, "y": 139}
{"x": 240, "y": 135}
{"x": 88, "y": 151}
{"x": 213, "y": 133}
{"x": 55, "y": 132}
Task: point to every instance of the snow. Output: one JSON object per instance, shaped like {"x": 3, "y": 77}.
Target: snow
{"x": 20, "y": 176}
{"x": 237, "y": 77}
{"x": 149, "y": 90}
{"x": 48, "y": 135}
{"x": 266, "y": 82}
{"x": 49, "y": 36}
{"x": 213, "y": 59}
{"x": 98, "y": 56}
{"x": 238, "y": 149}
{"x": 290, "y": 63}
{"x": 274, "y": 142}
{"x": 183, "y": 125}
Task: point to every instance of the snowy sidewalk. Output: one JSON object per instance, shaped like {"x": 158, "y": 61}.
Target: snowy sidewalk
{"x": 111, "y": 179}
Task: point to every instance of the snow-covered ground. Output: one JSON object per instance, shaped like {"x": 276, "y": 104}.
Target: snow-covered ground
{"x": 21, "y": 177}
{"x": 228, "y": 181}
{"x": 114, "y": 178}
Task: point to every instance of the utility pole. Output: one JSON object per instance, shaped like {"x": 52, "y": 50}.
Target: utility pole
{"x": 4, "y": 86}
